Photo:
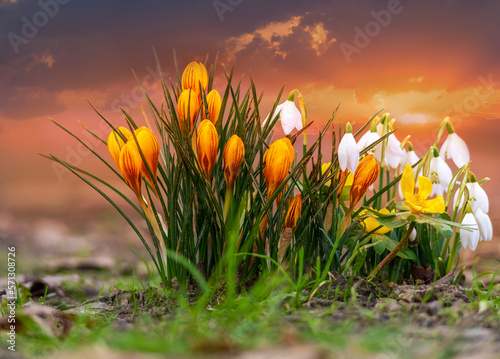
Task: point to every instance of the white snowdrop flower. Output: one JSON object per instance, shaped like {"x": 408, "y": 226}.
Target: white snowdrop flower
{"x": 484, "y": 224}
{"x": 440, "y": 174}
{"x": 410, "y": 157}
{"x": 469, "y": 237}
{"x": 289, "y": 115}
{"x": 454, "y": 147}
{"x": 348, "y": 151}
{"x": 367, "y": 139}
{"x": 393, "y": 152}
{"x": 477, "y": 197}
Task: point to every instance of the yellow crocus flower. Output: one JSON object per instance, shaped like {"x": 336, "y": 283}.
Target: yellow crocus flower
{"x": 188, "y": 105}
{"x": 278, "y": 161}
{"x": 195, "y": 75}
{"x": 417, "y": 202}
{"x": 130, "y": 164}
{"x": 288, "y": 143}
{"x": 293, "y": 213}
{"x": 214, "y": 103}
{"x": 150, "y": 149}
{"x": 366, "y": 173}
{"x": 116, "y": 142}
{"x": 207, "y": 143}
{"x": 233, "y": 155}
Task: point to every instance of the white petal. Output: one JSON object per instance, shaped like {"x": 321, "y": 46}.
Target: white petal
{"x": 469, "y": 238}
{"x": 287, "y": 127}
{"x": 444, "y": 172}
{"x": 437, "y": 189}
{"x": 444, "y": 148}
{"x": 290, "y": 116}
{"x": 368, "y": 140}
{"x": 478, "y": 197}
{"x": 484, "y": 224}
{"x": 348, "y": 153}
{"x": 458, "y": 150}
{"x": 462, "y": 199}
{"x": 362, "y": 141}
{"x": 342, "y": 153}
{"x": 412, "y": 158}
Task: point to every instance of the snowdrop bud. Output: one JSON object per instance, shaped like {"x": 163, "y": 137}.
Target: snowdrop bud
{"x": 454, "y": 147}
{"x": 413, "y": 235}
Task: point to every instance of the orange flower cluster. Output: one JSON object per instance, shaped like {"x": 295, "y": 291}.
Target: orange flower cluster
{"x": 192, "y": 97}
{"x": 126, "y": 152}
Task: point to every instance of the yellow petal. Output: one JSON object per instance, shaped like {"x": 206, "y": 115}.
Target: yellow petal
{"x": 371, "y": 224}
{"x": 435, "y": 205}
{"x": 408, "y": 183}
{"x": 424, "y": 187}
{"x": 413, "y": 207}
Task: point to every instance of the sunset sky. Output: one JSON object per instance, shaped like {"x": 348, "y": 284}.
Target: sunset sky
{"x": 419, "y": 60}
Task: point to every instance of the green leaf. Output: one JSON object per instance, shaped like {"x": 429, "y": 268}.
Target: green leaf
{"x": 390, "y": 220}
{"x": 379, "y": 243}
{"x": 360, "y": 260}
{"x": 406, "y": 254}
{"x": 444, "y": 229}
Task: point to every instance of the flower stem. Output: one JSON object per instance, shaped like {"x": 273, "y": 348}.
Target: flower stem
{"x": 227, "y": 201}
{"x": 402, "y": 244}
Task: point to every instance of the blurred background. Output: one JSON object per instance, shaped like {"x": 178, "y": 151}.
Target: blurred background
{"x": 418, "y": 60}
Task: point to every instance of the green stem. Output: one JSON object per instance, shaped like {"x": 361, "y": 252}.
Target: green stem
{"x": 227, "y": 201}
{"x": 402, "y": 244}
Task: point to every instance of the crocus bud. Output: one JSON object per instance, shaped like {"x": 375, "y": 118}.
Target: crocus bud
{"x": 208, "y": 143}
{"x": 280, "y": 195}
{"x": 188, "y": 105}
{"x": 365, "y": 175}
{"x": 214, "y": 104}
{"x": 293, "y": 213}
{"x": 150, "y": 149}
{"x": 233, "y": 155}
{"x": 195, "y": 75}
{"x": 288, "y": 143}
{"x": 278, "y": 162}
{"x": 130, "y": 164}
{"x": 116, "y": 142}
